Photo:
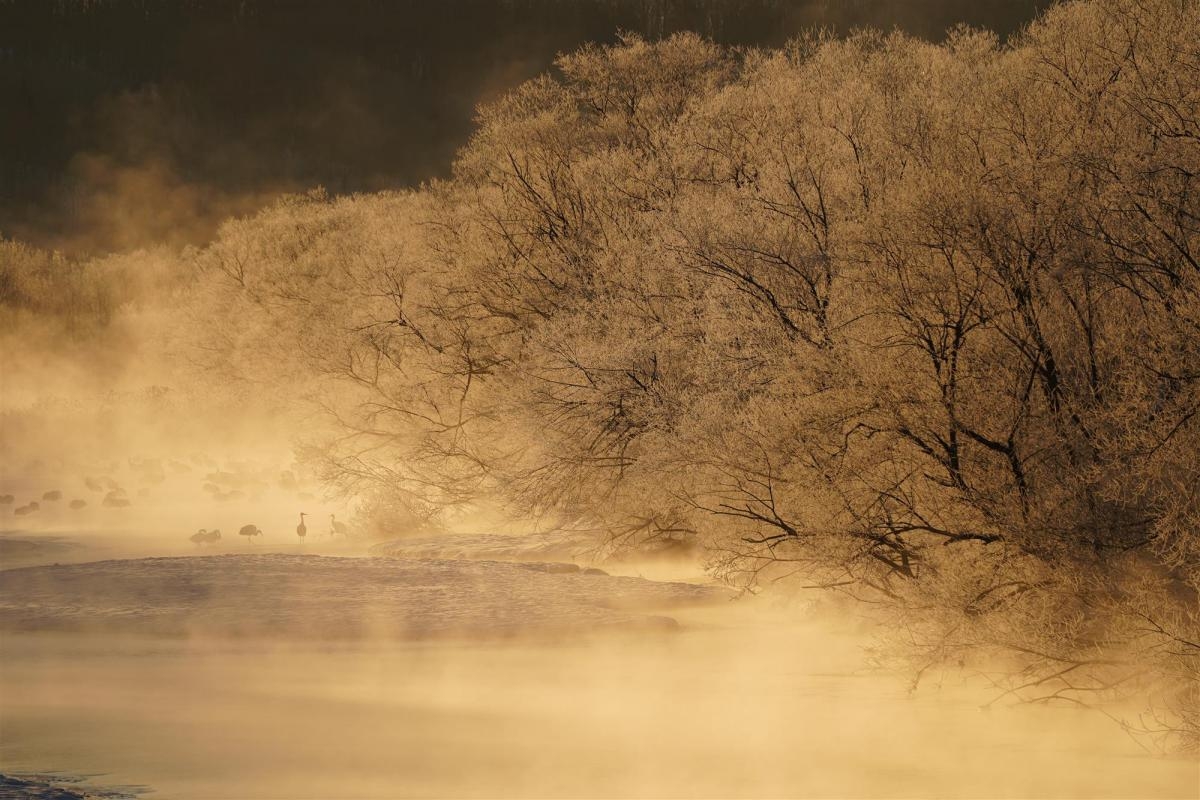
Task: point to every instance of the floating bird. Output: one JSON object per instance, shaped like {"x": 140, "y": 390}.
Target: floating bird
{"x": 203, "y": 536}
{"x": 78, "y": 504}
{"x": 302, "y": 529}
{"x": 93, "y": 484}
{"x": 31, "y": 507}
{"x": 336, "y": 527}
{"x": 6, "y": 499}
{"x": 250, "y": 531}
{"x": 116, "y": 499}
{"x": 52, "y": 495}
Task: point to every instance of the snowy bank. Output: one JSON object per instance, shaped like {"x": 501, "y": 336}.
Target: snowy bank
{"x": 277, "y": 595}
{"x": 549, "y": 546}
{"x": 573, "y": 546}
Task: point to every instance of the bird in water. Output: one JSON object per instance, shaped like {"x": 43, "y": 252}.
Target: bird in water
{"x": 203, "y": 536}
{"x": 336, "y": 527}
{"x": 31, "y": 507}
{"x": 302, "y": 529}
{"x": 250, "y": 531}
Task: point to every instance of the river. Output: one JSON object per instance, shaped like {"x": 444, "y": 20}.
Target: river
{"x": 732, "y": 704}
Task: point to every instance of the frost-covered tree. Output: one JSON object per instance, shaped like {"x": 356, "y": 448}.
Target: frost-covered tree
{"x": 918, "y": 322}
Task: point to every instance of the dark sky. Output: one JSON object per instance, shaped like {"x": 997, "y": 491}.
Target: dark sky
{"x": 128, "y": 121}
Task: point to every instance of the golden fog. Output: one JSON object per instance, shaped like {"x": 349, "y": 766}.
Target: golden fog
{"x": 817, "y": 421}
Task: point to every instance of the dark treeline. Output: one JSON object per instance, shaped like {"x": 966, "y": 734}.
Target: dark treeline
{"x": 131, "y": 121}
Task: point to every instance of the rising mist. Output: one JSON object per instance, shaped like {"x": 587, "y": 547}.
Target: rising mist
{"x": 631, "y": 399}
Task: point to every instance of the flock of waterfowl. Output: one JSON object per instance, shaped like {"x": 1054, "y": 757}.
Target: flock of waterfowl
{"x": 205, "y": 536}
{"x": 224, "y": 484}
{"x": 52, "y": 496}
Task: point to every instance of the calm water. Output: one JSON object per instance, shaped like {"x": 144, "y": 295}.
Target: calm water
{"x": 725, "y": 708}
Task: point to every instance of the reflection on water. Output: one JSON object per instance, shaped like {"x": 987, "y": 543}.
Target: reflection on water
{"x": 725, "y": 708}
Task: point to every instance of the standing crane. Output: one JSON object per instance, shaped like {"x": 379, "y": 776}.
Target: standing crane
{"x": 302, "y": 529}
{"x": 336, "y": 527}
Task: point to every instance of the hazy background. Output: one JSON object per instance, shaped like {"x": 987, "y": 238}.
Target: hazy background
{"x": 130, "y": 122}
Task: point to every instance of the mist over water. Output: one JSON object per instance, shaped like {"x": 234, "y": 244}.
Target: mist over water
{"x": 397, "y": 488}
{"x": 751, "y": 697}
{"x": 739, "y": 704}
